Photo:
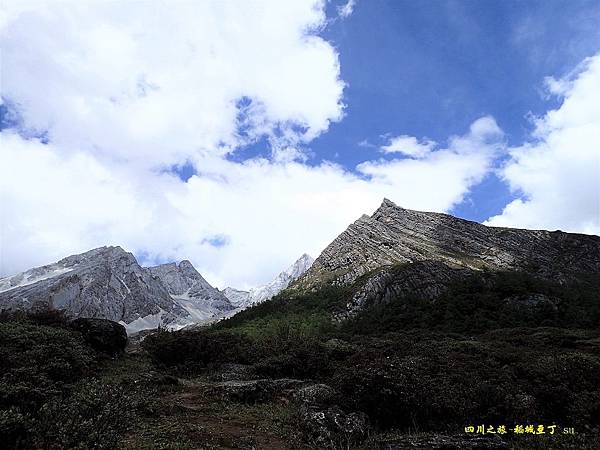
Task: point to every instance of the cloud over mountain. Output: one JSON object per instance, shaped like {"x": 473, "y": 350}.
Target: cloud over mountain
{"x": 557, "y": 174}
{"x": 107, "y": 106}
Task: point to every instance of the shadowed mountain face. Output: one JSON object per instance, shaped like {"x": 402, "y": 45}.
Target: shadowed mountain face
{"x": 394, "y": 235}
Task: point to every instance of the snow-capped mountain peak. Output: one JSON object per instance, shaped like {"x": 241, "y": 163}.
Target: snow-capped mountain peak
{"x": 243, "y": 299}
{"x": 108, "y": 282}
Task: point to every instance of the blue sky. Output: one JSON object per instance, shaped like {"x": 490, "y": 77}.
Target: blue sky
{"x": 430, "y": 68}
{"x": 262, "y": 129}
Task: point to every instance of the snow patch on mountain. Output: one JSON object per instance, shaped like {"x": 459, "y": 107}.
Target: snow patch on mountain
{"x": 244, "y": 299}
{"x": 32, "y": 276}
{"x": 188, "y": 289}
{"x": 108, "y": 282}
{"x": 148, "y": 322}
{"x": 237, "y": 297}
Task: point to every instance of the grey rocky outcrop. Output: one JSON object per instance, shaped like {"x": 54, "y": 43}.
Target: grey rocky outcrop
{"x": 106, "y": 283}
{"x": 398, "y": 252}
{"x": 331, "y": 428}
{"x": 394, "y": 235}
{"x": 318, "y": 395}
{"x": 425, "y": 280}
{"x": 184, "y": 282}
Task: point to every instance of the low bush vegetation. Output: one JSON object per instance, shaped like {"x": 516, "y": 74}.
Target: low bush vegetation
{"x": 423, "y": 382}
{"x": 190, "y": 352}
{"x": 50, "y": 394}
{"x": 483, "y": 352}
{"x": 487, "y": 301}
{"x": 413, "y": 366}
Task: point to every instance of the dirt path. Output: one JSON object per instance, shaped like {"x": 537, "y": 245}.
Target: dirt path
{"x": 208, "y": 423}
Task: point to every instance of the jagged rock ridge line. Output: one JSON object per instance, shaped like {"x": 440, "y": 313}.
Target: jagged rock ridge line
{"x": 244, "y": 299}
{"x": 394, "y": 235}
{"x": 399, "y": 253}
{"x": 108, "y": 282}
{"x": 185, "y": 282}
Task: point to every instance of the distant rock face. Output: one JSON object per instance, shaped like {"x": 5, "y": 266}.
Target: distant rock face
{"x": 191, "y": 291}
{"x": 244, "y": 299}
{"x": 237, "y": 297}
{"x": 394, "y": 235}
{"x": 108, "y": 283}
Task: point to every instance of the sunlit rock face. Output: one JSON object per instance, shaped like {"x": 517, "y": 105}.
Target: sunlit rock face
{"x": 400, "y": 253}
{"x": 243, "y": 299}
{"x": 394, "y": 235}
{"x": 108, "y": 283}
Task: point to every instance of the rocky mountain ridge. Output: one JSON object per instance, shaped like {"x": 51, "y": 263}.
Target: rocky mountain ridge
{"x": 108, "y": 282}
{"x": 394, "y": 235}
{"x": 191, "y": 291}
{"x": 399, "y": 253}
{"x": 244, "y": 299}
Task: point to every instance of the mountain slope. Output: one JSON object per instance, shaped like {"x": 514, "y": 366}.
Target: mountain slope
{"x": 191, "y": 291}
{"x": 237, "y": 297}
{"x": 109, "y": 283}
{"x": 394, "y": 235}
{"x": 106, "y": 282}
{"x": 244, "y": 299}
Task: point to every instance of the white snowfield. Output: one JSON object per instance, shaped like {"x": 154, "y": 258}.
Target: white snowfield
{"x": 32, "y": 276}
{"x": 144, "y": 323}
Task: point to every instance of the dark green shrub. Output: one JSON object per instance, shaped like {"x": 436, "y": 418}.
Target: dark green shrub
{"x": 49, "y": 317}
{"x": 16, "y": 429}
{"x": 192, "y": 351}
{"x": 38, "y": 364}
{"x": 485, "y": 301}
{"x": 306, "y": 361}
{"x": 94, "y": 416}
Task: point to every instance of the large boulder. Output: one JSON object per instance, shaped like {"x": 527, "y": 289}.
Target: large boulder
{"x": 102, "y": 334}
{"x": 317, "y": 394}
{"x": 332, "y": 427}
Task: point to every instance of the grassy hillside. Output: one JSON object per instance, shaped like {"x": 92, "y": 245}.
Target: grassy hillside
{"x": 480, "y": 302}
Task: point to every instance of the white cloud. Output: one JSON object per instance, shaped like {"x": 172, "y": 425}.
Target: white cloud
{"x": 268, "y": 212}
{"x": 346, "y": 9}
{"x": 409, "y": 146}
{"x": 125, "y": 92}
{"x": 557, "y": 174}
{"x": 161, "y": 83}
{"x": 440, "y": 179}
{"x": 481, "y": 130}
